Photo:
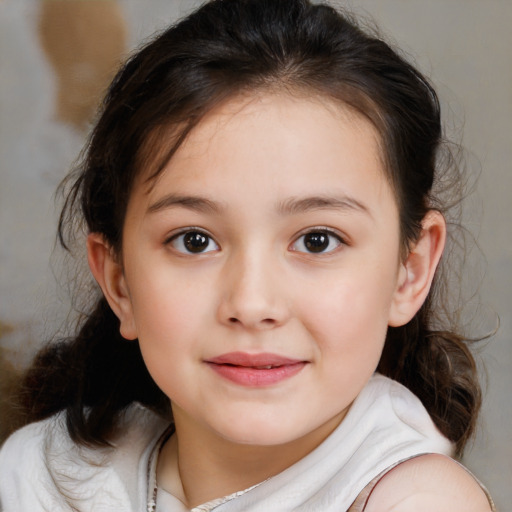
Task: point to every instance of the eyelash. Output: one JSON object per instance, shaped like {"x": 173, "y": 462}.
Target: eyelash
{"x": 178, "y": 238}
{"x": 178, "y": 242}
{"x": 329, "y": 233}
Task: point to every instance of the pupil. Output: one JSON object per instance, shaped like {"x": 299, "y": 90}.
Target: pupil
{"x": 195, "y": 242}
{"x": 316, "y": 242}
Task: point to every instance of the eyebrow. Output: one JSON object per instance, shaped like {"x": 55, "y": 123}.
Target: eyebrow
{"x": 199, "y": 204}
{"x": 294, "y": 206}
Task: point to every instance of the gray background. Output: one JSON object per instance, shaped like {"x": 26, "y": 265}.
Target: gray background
{"x": 464, "y": 46}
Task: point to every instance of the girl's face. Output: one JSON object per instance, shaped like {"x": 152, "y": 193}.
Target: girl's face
{"x": 262, "y": 267}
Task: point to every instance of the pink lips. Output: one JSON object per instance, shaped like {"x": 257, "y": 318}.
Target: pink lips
{"x": 254, "y": 370}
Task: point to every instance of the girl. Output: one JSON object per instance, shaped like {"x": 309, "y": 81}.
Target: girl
{"x": 257, "y": 197}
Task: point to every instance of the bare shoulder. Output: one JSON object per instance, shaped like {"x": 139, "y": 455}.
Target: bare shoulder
{"x": 426, "y": 483}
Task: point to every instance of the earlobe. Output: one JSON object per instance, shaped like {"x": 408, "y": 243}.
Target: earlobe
{"x": 417, "y": 272}
{"x": 109, "y": 275}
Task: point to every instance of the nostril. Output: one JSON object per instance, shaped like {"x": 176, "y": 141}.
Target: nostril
{"x": 264, "y": 321}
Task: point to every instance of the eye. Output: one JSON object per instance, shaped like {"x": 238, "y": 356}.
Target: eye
{"x": 193, "y": 242}
{"x": 318, "y": 241}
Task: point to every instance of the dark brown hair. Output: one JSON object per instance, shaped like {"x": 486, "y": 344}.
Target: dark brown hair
{"x": 226, "y": 48}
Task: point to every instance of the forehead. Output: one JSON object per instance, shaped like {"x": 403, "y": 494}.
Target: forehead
{"x": 280, "y": 141}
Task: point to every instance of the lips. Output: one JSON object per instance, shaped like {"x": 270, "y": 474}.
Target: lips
{"x": 255, "y": 370}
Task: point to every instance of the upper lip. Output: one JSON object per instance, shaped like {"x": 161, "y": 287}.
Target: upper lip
{"x": 253, "y": 360}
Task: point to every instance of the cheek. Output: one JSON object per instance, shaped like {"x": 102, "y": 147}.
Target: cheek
{"x": 169, "y": 337}
{"x": 168, "y": 315}
{"x": 349, "y": 314}
{"x": 165, "y": 302}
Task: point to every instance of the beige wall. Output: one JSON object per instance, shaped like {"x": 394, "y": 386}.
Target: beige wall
{"x": 463, "y": 45}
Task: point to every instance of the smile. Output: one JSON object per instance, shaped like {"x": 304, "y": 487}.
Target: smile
{"x": 255, "y": 370}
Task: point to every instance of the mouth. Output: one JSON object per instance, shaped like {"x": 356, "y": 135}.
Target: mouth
{"x": 255, "y": 370}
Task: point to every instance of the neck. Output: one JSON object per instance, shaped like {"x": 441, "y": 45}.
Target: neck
{"x": 211, "y": 467}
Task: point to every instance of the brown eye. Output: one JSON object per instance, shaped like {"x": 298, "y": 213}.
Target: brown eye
{"x": 317, "y": 242}
{"x": 193, "y": 242}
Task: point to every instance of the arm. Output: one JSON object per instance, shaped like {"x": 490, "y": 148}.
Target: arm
{"x": 427, "y": 483}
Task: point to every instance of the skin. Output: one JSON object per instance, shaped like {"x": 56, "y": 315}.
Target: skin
{"x": 255, "y": 177}
{"x": 431, "y": 482}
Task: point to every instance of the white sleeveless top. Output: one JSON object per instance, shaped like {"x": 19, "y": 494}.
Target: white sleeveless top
{"x": 386, "y": 424}
{"x": 41, "y": 469}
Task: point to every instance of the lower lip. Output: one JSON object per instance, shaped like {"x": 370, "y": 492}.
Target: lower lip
{"x": 254, "y": 377}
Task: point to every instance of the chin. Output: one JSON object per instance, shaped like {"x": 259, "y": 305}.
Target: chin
{"x": 258, "y": 433}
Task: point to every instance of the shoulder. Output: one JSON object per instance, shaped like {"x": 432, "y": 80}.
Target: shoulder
{"x": 41, "y": 468}
{"x": 23, "y": 472}
{"x": 25, "y": 447}
{"x": 426, "y": 483}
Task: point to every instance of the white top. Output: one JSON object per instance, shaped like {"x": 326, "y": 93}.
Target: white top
{"x": 41, "y": 469}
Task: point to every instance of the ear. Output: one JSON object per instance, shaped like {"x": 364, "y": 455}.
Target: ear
{"x": 417, "y": 271}
{"x": 108, "y": 273}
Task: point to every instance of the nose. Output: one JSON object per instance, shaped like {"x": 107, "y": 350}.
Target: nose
{"x": 252, "y": 295}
